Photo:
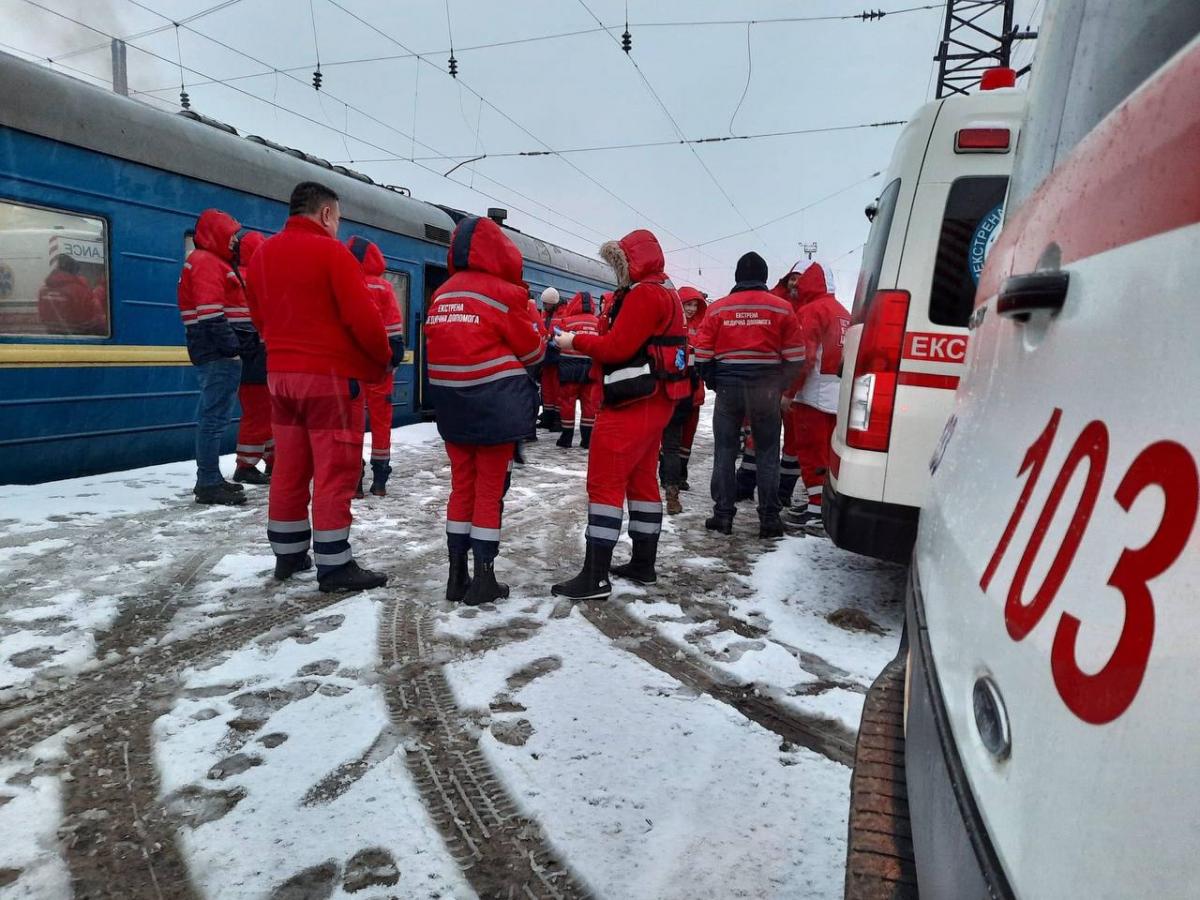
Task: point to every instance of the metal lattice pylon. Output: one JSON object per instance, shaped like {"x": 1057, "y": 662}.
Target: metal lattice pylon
{"x": 978, "y": 35}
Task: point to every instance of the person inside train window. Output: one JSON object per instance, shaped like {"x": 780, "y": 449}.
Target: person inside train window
{"x": 68, "y": 302}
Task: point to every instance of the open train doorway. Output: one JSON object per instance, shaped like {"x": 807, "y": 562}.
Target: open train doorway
{"x": 435, "y": 277}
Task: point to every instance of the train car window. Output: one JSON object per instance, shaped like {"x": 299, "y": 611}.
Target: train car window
{"x": 399, "y": 282}
{"x": 53, "y": 273}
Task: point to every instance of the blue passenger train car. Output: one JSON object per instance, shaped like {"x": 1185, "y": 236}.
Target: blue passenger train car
{"x": 98, "y": 196}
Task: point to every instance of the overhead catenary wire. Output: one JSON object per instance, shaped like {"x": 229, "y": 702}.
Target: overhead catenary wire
{"x": 602, "y": 148}
{"x": 199, "y": 14}
{"x": 749, "y": 75}
{"x": 325, "y": 125}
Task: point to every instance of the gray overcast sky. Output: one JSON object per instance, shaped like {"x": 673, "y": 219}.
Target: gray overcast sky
{"x": 577, "y": 91}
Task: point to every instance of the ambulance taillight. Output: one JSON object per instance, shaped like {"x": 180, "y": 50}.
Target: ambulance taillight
{"x": 877, "y": 371}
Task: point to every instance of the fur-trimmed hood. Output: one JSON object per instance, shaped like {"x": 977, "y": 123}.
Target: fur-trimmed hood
{"x": 636, "y": 257}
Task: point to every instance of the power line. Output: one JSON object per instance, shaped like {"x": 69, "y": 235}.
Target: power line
{"x": 787, "y": 215}
{"x": 515, "y": 123}
{"x": 152, "y": 31}
{"x": 643, "y": 144}
{"x": 675, "y": 125}
{"x": 325, "y": 125}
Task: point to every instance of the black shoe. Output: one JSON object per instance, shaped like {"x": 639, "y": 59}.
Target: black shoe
{"x": 592, "y": 581}
{"x": 532, "y": 438}
{"x": 380, "y": 470}
{"x": 545, "y": 419}
{"x": 250, "y": 475}
{"x": 218, "y": 495}
{"x": 716, "y": 523}
{"x": 459, "y": 579}
{"x": 232, "y": 486}
{"x": 640, "y": 567}
{"x": 555, "y": 422}
{"x": 567, "y": 436}
{"x": 358, "y": 491}
{"x": 351, "y": 577}
{"x": 585, "y": 437}
{"x": 770, "y": 528}
{"x": 484, "y": 587}
{"x": 288, "y": 564}
{"x": 683, "y": 485}
{"x": 518, "y": 454}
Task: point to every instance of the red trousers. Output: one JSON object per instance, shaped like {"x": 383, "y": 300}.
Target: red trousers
{"x": 254, "y": 441}
{"x": 550, "y": 387}
{"x": 814, "y": 431}
{"x": 479, "y": 477}
{"x": 789, "y": 460}
{"x": 623, "y": 467}
{"x": 318, "y": 439}
{"x": 587, "y": 394}
{"x": 379, "y": 408}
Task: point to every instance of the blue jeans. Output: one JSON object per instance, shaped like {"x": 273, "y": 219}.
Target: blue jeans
{"x": 219, "y": 381}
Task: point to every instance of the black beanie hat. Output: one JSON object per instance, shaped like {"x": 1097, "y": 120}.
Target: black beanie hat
{"x": 751, "y": 268}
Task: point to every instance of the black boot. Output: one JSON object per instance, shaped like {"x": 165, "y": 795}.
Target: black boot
{"x": 585, "y": 436}
{"x": 288, "y": 564}
{"x": 683, "y": 485}
{"x": 545, "y": 419}
{"x": 565, "y": 439}
{"x": 460, "y": 578}
{"x": 640, "y": 567}
{"x": 362, "y": 471}
{"x": 518, "y": 454}
{"x": 718, "y": 523}
{"x": 770, "y": 527}
{"x": 219, "y": 495}
{"x": 250, "y": 475}
{"x": 351, "y": 577}
{"x": 380, "y": 470}
{"x": 555, "y": 421}
{"x": 484, "y": 586}
{"x": 592, "y": 581}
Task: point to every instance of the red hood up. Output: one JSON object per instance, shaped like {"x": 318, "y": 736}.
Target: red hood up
{"x": 213, "y": 231}
{"x": 636, "y": 257}
{"x": 367, "y": 254}
{"x": 575, "y": 307}
{"x": 478, "y": 245}
{"x": 687, "y": 293}
{"x": 248, "y": 246}
{"x": 815, "y": 281}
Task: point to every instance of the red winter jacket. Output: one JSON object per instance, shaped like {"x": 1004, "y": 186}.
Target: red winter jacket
{"x": 312, "y": 307}
{"x": 749, "y": 335}
{"x": 210, "y": 294}
{"x": 823, "y": 323}
{"x": 479, "y": 337}
{"x": 649, "y": 307}
{"x": 68, "y": 304}
{"x": 686, "y": 295}
{"x": 575, "y": 366}
{"x": 382, "y": 292}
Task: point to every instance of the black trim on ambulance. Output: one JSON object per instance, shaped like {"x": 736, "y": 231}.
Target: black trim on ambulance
{"x": 954, "y": 854}
{"x": 869, "y": 527}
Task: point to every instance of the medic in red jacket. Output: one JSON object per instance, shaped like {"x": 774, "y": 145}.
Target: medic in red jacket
{"x": 823, "y": 324}
{"x": 254, "y": 440}
{"x": 479, "y": 339}
{"x": 379, "y": 393}
{"x": 577, "y": 380}
{"x": 324, "y": 339}
{"x": 210, "y": 292}
{"x": 695, "y": 305}
{"x": 68, "y": 304}
{"x": 789, "y": 465}
{"x": 552, "y": 311}
{"x": 643, "y": 360}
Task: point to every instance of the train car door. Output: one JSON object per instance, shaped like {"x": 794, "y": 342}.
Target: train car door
{"x": 435, "y": 277}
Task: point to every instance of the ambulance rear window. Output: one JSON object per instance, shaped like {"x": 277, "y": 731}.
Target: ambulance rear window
{"x": 872, "y": 260}
{"x": 969, "y": 228}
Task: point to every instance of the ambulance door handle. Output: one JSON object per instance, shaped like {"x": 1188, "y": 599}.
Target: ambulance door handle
{"x": 1022, "y": 295}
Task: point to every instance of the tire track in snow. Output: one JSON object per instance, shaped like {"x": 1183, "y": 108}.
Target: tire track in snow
{"x": 501, "y": 850}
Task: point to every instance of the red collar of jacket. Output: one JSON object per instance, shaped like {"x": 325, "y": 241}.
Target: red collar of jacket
{"x": 304, "y": 223}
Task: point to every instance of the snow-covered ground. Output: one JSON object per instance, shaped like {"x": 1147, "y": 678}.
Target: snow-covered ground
{"x": 286, "y": 731}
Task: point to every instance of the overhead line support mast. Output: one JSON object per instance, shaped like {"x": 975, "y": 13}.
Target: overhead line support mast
{"x": 978, "y": 35}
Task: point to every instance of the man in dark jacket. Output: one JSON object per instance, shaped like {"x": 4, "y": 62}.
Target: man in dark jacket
{"x": 209, "y": 294}
{"x": 748, "y": 350}
{"x": 479, "y": 339}
{"x": 324, "y": 339}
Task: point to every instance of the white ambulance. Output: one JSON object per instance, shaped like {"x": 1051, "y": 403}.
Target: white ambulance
{"x": 1051, "y": 740}
{"x": 933, "y": 224}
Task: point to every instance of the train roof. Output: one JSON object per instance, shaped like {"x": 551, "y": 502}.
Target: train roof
{"x": 59, "y": 107}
